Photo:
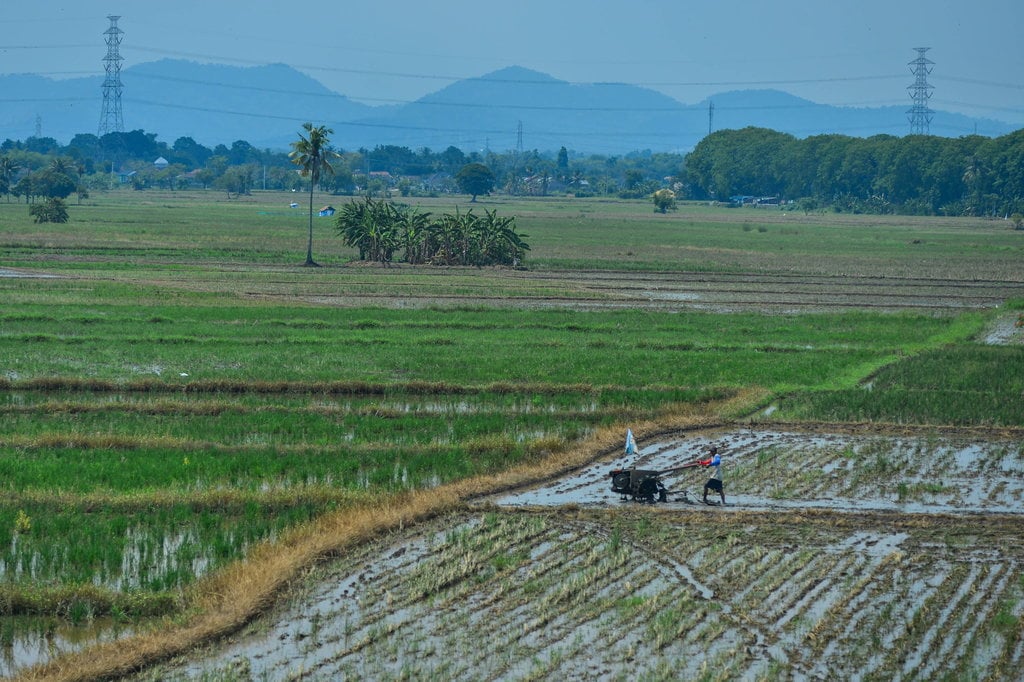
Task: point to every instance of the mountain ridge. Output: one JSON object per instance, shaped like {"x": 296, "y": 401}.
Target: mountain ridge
{"x": 511, "y": 107}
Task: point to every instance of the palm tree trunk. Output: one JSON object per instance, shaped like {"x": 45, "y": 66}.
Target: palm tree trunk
{"x": 309, "y": 247}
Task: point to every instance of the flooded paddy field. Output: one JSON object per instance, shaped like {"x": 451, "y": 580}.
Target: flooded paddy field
{"x": 841, "y": 555}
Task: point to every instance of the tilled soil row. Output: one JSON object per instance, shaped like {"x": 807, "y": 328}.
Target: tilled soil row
{"x": 653, "y": 592}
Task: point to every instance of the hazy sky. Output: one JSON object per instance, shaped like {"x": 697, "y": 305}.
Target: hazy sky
{"x": 378, "y": 52}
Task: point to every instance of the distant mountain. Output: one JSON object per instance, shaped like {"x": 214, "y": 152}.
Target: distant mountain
{"x": 212, "y": 103}
{"x": 61, "y": 107}
{"x": 801, "y": 117}
{"x": 488, "y": 111}
{"x": 266, "y": 106}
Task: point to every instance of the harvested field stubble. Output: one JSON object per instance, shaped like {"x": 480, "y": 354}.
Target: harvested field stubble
{"x": 596, "y": 594}
{"x": 670, "y": 591}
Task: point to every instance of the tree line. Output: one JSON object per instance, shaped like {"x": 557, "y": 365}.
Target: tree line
{"x": 916, "y": 174}
{"x": 240, "y": 168}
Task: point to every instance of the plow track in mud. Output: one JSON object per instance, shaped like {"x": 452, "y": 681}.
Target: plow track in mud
{"x": 841, "y": 575}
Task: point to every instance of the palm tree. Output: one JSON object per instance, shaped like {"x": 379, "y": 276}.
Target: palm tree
{"x": 8, "y": 168}
{"x": 312, "y": 153}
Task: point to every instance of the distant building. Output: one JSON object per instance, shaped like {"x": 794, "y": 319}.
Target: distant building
{"x": 161, "y": 163}
{"x": 326, "y": 211}
{"x": 748, "y": 200}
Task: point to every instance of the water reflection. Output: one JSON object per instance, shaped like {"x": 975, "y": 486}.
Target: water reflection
{"x": 30, "y": 640}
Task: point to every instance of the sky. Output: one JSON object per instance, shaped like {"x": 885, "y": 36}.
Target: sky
{"x": 840, "y": 53}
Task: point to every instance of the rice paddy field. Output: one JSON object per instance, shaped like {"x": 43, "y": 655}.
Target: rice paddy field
{"x": 197, "y": 434}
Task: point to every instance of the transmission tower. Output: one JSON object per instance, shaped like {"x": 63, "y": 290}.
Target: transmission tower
{"x": 920, "y": 116}
{"x": 111, "y": 120}
{"x": 711, "y": 116}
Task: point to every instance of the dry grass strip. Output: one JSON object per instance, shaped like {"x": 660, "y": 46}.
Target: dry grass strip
{"x": 227, "y": 600}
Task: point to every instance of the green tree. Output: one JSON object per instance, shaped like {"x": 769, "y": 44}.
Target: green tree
{"x": 372, "y": 226}
{"x": 446, "y": 236}
{"x": 85, "y": 147}
{"x": 496, "y": 241}
{"x": 311, "y": 152}
{"x": 452, "y": 159}
{"x": 475, "y": 179}
{"x": 190, "y": 152}
{"x": 8, "y": 169}
{"x": 53, "y": 182}
{"x": 341, "y": 182}
{"x": 413, "y": 228}
{"x": 664, "y": 200}
{"x": 563, "y": 164}
{"x": 236, "y": 180}
{"x": 26, "y": 187}
{"x": 53, "y": 210}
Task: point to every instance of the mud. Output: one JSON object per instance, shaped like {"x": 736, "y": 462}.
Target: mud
{"x": 4, "y": 272}
{"x": 27, "y": 639}
{"x": 769, "y": 470}
{"x": 1005, "y": 331}
{"x": 840, "y": 555}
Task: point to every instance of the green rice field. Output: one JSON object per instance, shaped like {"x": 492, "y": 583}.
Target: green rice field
{"x": 176, "y": 389}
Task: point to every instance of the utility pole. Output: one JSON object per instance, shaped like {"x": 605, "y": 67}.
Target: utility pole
{"x": 516, "y": 158}
{"x": 711, "y": 116}
{"x": 111, "y": 120}
{"x": 919, "y": 115}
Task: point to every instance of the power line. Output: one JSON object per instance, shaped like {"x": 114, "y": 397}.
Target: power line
{"x": 489, "y": 79}
{"x": 503, "y": 106}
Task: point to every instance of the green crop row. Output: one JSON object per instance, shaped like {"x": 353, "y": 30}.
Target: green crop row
{"x": 960, "y": 385}
{"x": 186, "y": 343}
{"x": 156, "y": 550}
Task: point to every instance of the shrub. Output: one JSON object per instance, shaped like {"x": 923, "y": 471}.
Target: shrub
{"x": 52, "y": 210}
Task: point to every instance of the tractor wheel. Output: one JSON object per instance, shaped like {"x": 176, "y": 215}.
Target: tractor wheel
{"x": 648, "y": 489}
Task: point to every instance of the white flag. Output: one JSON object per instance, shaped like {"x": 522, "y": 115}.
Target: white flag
{"x": 630, "y": 442}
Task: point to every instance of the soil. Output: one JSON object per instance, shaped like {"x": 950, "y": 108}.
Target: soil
{"x": 795, "y": 292}
{"x": 842, "y": 554}
{"x": 732, "y": 292}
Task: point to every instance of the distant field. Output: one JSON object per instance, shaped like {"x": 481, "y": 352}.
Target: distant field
{"x": 177, "y": 389}
{"x": 154, "y": 229}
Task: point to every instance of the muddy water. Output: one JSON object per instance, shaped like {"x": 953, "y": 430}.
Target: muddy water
{"x": 1005, "y": 331}
{"x": 19, "y": 274}
{"x": 25, "y": 640}
{"x": 494, "y": 595}
{"x": 792, "y": 470}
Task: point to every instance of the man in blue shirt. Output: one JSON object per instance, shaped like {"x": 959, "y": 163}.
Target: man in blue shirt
{"x": 715, "y": 481}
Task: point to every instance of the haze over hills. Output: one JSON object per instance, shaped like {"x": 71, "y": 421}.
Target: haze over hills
{"x": 266, "y": 106}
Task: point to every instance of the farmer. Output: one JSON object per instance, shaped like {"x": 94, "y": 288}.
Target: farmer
{"x": 715, "y": 481}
